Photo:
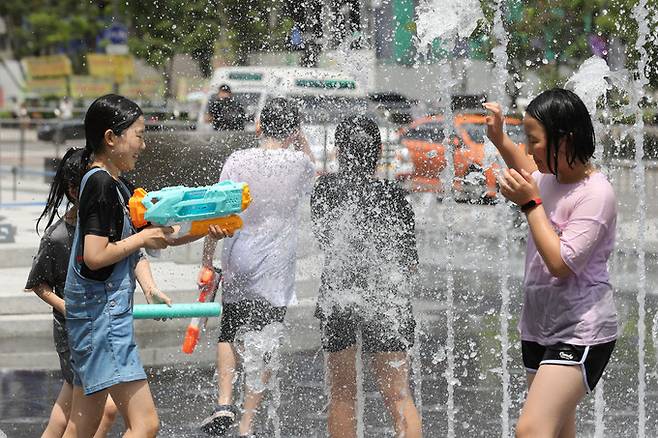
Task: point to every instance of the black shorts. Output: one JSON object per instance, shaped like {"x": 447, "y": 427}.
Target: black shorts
{"x": 63, "y": 351}
{"x": 248, "y": 315}
{"x": 379, "y": 332}
{"x": 592, "y": 358}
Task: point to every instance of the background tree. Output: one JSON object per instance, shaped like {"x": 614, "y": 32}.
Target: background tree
{"x": 41, "y": 27}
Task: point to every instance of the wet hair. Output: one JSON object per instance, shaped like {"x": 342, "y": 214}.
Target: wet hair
{"x": 113, "y": 112}
{"x": 564, "y": 116}
{"x": 358, "y": 141}
{"x": 67, "y": 178}
{"x": 280, "y": 118}
{"x": 225, "y": 88}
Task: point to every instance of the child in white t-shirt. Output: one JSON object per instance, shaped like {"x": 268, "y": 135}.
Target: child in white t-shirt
{"x": 259, "y": 260}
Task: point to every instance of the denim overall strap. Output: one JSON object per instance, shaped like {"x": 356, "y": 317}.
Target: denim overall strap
{"x": 76, "y": 247}
{"x": 99, "y": 318}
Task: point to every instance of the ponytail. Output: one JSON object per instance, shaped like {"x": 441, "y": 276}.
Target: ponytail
{"x": 86, "y": 156}
{"x": 67, "y": 177}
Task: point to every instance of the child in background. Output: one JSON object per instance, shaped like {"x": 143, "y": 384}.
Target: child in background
{"x": 365, "y": 227}
{"x": 569, "y": 322}
{"x": 259, "y": 261}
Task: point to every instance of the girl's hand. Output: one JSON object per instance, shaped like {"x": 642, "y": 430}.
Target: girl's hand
{"x": 156, "y": 296}
{"x": 217, "y": 233}
{"x": 495, "y": 123}
{"x": 156, "y": 237}
{"x": 519, "y": 188}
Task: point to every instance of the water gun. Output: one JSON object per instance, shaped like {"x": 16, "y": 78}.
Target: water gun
{"x": 195, "y": 209}
{"x": 208, "y": 286}
{"x": 184, "y": 310}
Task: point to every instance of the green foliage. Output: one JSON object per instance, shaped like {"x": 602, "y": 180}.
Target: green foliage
{"x": 41, "y": 27}
{"x": 164, "y": 28}
{"x": 558, "y": 31}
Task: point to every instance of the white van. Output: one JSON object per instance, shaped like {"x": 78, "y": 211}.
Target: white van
{"x": 324, "y": 97}
{"x": 319, "y": 92}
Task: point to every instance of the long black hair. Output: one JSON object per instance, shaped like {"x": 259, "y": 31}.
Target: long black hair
{"x": 113, "y": 112}
{"x": 65, "y": 182}
{"x": 358, "y": 141}
{"x": 564, "y": 116}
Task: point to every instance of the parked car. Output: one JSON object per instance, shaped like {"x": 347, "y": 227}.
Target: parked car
{"x": 58, "y": 131}
{"x": 422, "y": 162}
{"x": 392, "y": 107}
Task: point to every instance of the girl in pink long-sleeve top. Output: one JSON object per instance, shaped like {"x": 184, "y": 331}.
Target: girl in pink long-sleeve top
{"x": 569, "y": 321}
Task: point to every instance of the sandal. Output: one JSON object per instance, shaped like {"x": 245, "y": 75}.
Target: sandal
{"x": 220, "y": 420}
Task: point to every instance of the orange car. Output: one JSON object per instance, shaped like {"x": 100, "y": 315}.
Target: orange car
{"x": 423, "y": 145}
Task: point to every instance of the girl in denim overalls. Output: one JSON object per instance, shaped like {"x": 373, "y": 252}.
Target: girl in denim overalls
{"x": 99, "y": 307}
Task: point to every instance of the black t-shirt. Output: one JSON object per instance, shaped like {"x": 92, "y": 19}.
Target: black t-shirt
{"x": 366, "y": 228}
{"x": 227, "y": 114}
{"x": 51, "y": 262}
{"x": 101, "y": 214}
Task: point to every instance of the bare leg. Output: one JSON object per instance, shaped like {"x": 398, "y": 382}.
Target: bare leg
{"x": 251, "y": 403}
{"x": 392, "y": 372}
{"x": 569, "y": 426}
{"x": 342, "y": 386}
{"x": 86, "y": 413}
{"x": 59, "y": 415}
{"x": 226, "y": 364}
{"x": 550, "y": 407}
{"x": 135, "y": 402}
{"x": 109, "y": 416}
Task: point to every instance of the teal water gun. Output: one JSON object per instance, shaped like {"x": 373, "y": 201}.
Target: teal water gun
{"x": 194, "y": 208}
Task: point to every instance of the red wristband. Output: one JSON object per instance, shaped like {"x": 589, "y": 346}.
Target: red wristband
{"x": 531, "y": 204}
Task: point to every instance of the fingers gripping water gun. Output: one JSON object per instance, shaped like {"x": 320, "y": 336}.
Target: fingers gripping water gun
{"x": 208, "y": 286}
{"x": 194, "y": 208}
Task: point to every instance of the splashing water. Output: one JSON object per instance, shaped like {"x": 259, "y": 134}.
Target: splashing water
{"x": 589, "y": 82}
{"x": 446, "y": 19}
{"x": 260, "y": 354}
{"x": 448, "y": 175}
{"x": 360, "y": 396}
{"x": 599, "y": 409}
{"x": 491, "y": 155}
{"x": 640, "y": 13}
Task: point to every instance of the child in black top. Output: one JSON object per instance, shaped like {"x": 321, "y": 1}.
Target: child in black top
{"x": 48, "y": 276}
{"x": 365, "y": 227}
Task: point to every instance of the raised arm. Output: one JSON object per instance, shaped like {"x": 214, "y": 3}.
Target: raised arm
{"x": 515, "y": 157}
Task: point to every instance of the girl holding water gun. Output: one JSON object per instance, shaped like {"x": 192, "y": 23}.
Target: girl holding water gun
{"x": 104, "y": 264}
{"x": 569, "y": 322}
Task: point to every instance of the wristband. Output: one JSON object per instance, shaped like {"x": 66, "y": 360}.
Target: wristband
{"x": 531, "y": 204}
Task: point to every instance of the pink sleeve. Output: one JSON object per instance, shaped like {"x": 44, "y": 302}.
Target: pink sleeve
{"x": 591, "y": 222}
